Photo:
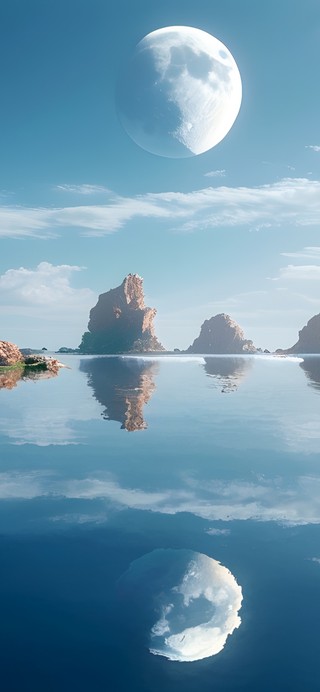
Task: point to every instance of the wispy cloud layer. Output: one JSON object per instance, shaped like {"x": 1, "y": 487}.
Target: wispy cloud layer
{"x": 83, "y": 189}
{"x": 302, "y": 272}
{"x": 315, "y": 147}
{"x": 216, "y": 174}
{"x": 291, "y": 201}
{"x": 312, "y": 253}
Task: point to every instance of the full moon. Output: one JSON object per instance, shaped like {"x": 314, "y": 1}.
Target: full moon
{"x": 180, "y": 93}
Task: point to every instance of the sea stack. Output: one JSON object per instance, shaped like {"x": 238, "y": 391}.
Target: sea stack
{"x": 221, "y": 334}
{"x": 309, "y": 338}
{"x": 120, "y": 322}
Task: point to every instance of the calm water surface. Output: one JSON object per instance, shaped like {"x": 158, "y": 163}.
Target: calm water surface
{"x": 117, "y": 471}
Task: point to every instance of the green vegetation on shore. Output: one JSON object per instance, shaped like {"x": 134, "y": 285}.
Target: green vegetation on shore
{"x": 16, "y": 366}
{"x": 24, "y": 366}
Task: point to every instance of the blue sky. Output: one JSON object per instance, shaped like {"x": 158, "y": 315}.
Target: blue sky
{"x": 233, "y": 230}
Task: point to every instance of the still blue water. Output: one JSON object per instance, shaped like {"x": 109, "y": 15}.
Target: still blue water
{"x": 118, "y": 457}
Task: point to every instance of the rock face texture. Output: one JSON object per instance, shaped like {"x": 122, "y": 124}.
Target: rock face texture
{"x": 222, "y": 335}
{"x": 309, "y": 338}
{"x": 120, "y": 322}
{"x": 9, "y": 354}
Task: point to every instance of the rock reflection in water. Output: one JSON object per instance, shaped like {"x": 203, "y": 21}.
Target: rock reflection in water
{"x": 311, "y": 367}
{"x": 123, "y": 386}
{"x": 227, "y": 373}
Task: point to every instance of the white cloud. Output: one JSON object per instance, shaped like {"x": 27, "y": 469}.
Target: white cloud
{"x": 84, "y": 189}
{"x": 309, "y": 252}
{"x": 46, "y": 307}
{"x": 46, "y": 285}
{"x": 216, "y": 174}
{"x": 21, "y": 222}
{"x": 314, "y": 147}
{"x": 303, "y": 272}
{"x": 291, "y": 201}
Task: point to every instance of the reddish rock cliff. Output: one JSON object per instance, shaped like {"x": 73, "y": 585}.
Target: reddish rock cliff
{"x": 221, "y": 334}
{"x": 120, "y": 321}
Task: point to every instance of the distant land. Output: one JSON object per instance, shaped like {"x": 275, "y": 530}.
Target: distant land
{"x": 121, "y": 323}
{"x": 309, "y": 338}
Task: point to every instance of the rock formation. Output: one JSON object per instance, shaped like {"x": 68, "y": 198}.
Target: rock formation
{"x": 9, "y": 354}
{"x": 222, "y": 335}
{"x": 15, "y": 366}
{"x": 9, "y": 378}
{"x": 309, "y": 338}
{"x": 123, "y": 386}
{"x": 120, "y": 322}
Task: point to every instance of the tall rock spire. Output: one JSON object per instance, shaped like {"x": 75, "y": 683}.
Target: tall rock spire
{"x": 120, "y": 322}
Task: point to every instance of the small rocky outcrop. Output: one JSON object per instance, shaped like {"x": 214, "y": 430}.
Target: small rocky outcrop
{"x": 9, "y": 354}
{"x": 309, "y": 338}
{"x": 11, "y": 377}
{"x": 222, "y": 335}
{"x": 38, "y": 362}
{"x": 15, "y": 366}
{"x": 120, "y": 322}
{"x": 67, "y": 349}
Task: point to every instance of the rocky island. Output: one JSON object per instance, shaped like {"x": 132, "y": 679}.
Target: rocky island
{"x": 120, "y": 322}
{"x": 309, "y": 338}
{"x": 221, "y": 334}
{"x": 15, "y": 366}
